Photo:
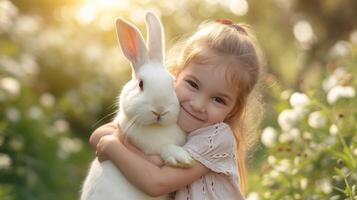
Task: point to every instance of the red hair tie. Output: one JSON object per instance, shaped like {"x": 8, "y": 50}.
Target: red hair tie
{"x": 230, "y": 23}
{"x": 224, "y": 21}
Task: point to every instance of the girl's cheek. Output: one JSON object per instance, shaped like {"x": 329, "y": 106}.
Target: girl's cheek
{"x": 180, "y": 90}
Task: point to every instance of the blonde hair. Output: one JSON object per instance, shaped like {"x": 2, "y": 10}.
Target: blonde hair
{"x": 238, "y": 50}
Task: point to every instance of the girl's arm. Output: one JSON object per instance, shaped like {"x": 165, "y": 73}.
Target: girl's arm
{"x": 151, "y": 179}
{"x": 112, "y": 128}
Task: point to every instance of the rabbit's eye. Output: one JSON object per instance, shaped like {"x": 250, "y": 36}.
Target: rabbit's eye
{"x": 141, "y": 85}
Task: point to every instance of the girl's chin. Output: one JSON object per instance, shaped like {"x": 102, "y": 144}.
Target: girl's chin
{"x": 187, "y": 126}
{"x": 187, "y": 123}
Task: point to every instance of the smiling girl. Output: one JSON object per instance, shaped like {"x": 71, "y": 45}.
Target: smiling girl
{"x": 216, "y": 72}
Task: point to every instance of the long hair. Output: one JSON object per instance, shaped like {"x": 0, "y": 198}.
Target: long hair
{"x": 235, "y": 49}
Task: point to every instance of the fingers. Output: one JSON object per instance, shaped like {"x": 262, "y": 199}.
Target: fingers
{"x": 101, "y": 157}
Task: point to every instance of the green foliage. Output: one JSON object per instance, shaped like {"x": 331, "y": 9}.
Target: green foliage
{"x": 312, "y": 154}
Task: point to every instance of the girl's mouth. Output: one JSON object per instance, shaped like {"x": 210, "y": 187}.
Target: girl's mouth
{"x": 191, "y": 115}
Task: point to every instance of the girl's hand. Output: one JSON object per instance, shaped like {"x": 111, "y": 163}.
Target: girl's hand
{"x": 106, "y": 129}
{"x": 106, "y": 146}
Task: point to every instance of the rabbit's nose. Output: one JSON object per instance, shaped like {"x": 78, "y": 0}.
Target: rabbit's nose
{"x": 158, "y": 114}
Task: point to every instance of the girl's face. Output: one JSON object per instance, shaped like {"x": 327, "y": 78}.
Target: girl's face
{"x": 205, "y": 96}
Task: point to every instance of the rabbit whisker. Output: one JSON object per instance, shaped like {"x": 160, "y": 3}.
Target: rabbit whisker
{"x": 130, "y": 123}
{"x": 104, "y": 117}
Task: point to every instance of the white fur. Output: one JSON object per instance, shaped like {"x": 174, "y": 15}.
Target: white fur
{"x": 136, "y": 116}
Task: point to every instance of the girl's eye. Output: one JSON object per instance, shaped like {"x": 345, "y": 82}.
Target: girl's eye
{"x": 192, "y": 84}
{"x": 219, "y": 100}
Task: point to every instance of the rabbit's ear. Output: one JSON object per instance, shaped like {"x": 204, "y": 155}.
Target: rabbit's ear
{"x": 132, "y": 43}
{"x": 155, "y": 38}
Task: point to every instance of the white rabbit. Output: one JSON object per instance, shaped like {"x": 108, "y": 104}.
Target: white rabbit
{"x": 148, "y": 110}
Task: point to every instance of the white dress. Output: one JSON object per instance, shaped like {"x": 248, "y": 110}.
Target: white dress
{"x": 214, "y": 147}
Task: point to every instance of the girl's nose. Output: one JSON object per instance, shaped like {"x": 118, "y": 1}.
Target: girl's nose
{"x": 198, "y": 104}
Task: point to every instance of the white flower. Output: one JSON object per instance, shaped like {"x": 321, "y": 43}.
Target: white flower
{"x": 297, "y": 160}
{"x": 11, "y": 66}
{"x": 266, "y": 180}
{"x": 325, "y": 185}
{"x": 28, "y": 65}
{"x": 287, "y": 119}
{"x": 316, "y": 120}
{"x": 338, "y": 92}
{"x": 349, "y": 92}
{"x": 303, "y": 32}
{"x": 355, "y": 152}
{"x": 298, "y": 99}
{"x": 329, "y": 83}
{"x": 93, "y": 52}
{"x": 313, "y": 145}
{"x": 271, "y": 160}
{"x": 69, "y": 146}
{"x": 334, "y": 79}
{"x": 253, "y": 196}
{"x": 300, "y": 111}
{"x": 5, "y": 161}
{"x": 7, "y": 13}
{"x": 335, "y": 197}
{"x": 27, "y": 25}
{"x": 283, "y": 166}
{"x": 290, "y": 135}
{"x": 274, "y": 173}
{"x": 307, "y": 135}
{"x": 303, "y": 183}
{"x": 12, "y": 114}
{"x": 11, "y": 85}
{"x": 269, "y": 136}
{"x": 285, "y": 137}
{"x": 333, "y": 129}
{"x": 339, "y": 72}
{"x": 340, "y": 49}
{"x": 49, "y": 38}
{"x": 267, "y": 194}
{"x": 286, "y": 94}
{"x": 330, "y": 140}
{"x": 294, "y": 133}
{"x": 47, "y": 100}
{"x": 299, "y": 102}
{"x": 8, "y": 9}
{"x": 61, "y": 125}
{"x": 35, "y": 112}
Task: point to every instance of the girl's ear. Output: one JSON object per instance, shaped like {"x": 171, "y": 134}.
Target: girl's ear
{"x": 132, "y": 43}
{"x": 155, "y": 38}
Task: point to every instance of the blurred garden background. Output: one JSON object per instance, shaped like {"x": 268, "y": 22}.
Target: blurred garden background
{"x": 61, "y": 70}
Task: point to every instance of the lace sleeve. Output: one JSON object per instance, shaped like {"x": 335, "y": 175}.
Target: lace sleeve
{"x": 214, "y": 147}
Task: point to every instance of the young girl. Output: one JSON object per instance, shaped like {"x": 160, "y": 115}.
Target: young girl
{"x": 216, "y": 72}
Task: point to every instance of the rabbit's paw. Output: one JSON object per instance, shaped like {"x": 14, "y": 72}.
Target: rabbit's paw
{"x": 176, "y": 156}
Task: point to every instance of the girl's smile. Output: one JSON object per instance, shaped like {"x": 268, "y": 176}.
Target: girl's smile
{"x": 190, "y": 115}
{"x": 204, "y": 94}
